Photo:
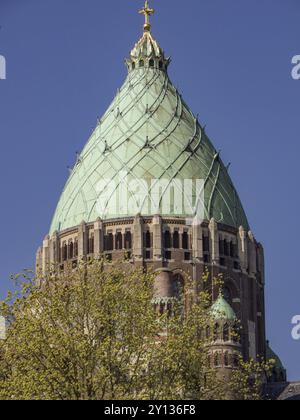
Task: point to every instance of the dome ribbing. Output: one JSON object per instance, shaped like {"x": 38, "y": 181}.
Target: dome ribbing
{"x": 147, "y": 137}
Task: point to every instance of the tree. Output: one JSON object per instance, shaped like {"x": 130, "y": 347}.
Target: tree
{"x": 247, "y": 382}
{"x": 93, "y": 333}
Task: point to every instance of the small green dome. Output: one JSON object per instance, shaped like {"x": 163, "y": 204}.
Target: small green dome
{"x": 222, "y": 310}
{"x": 148, "y": 134}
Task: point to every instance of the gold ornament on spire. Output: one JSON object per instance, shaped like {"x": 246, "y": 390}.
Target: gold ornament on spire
{"x": 147, "y": 12}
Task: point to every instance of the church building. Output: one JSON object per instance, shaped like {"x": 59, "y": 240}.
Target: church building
{"x": 150, "y": 190}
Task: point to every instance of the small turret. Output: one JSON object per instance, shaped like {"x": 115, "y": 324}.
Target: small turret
{"x": 225, "y": 346}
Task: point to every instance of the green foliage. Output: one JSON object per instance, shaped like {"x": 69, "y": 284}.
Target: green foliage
{"x": 248, "y": 381}
{"x": 92, "y": 333}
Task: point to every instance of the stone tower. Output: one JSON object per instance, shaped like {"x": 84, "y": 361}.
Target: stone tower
{"x": 150, "y": 190}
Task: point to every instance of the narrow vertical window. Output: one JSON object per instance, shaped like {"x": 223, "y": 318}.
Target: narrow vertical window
{"x": 76, "y": 248}
{"x": 148, "y": 239}
{"x": 65, "y": 252}
{"x": 226, "y": 359}
{"x": 176, "y": 244}
{"x": 109, "y": 242}
{"x": 71, "y": 249}
{"x": 128, "y": 240}
{"x": 185, "y": 241}
{"x": 91, "y": 244}
{"x": 205, "y": 243}
{"x": 119, "y": 241}
{"x": 167, "y": 240}
{"x": 226, "y": 333}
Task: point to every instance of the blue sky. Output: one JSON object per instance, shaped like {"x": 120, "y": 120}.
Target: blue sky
{"x": 232, "y": 62}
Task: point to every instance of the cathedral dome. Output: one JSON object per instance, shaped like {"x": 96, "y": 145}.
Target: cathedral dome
{"x": 147, "y": 137}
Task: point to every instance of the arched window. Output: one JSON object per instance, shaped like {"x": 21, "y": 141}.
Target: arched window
{"x": 226, "y": 359}
{"x": 160, "y": 64}
{"x": 176, "y": 244}
{"x": 217, "y": 332}
{"x": 142, "y": 63}
{"x": 91, "y": 244}
{"x": 64, "y": 251}
{"x": 226, "y": 333}
{"x": 217, "y": 359}
{"x": 151, "y": 63}
{"x": 185, "y": 241}
{"x": 71, "y": 249}
{"x": 109, "y": 242}
{"x": 119, "y": 241}
{"x": 148, "y": 239}
{"x": 133, "y": 66}
{"x": 235, "y": 334}
{"x": 226, "y": 248}
{"x": 128, "y": 240}
{"x": 167, "y": 240}
{"x": 76, "y": 248}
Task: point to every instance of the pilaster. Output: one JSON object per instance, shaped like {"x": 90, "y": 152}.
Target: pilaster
{"x": 82, "y": 240}
{"x": 243, "y": 249}
{"x": 214, "y": 239}
{"x": 98, "y": 237}
{"x": 157, "y": 238}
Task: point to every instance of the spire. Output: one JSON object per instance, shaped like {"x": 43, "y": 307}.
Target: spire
{"x": 147, "y": 12}
{"x": 147, "y": 53}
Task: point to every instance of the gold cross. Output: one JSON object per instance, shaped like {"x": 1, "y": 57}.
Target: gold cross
{"x": 147, "y": 12}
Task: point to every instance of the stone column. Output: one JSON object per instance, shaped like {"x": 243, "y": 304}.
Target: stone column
{"x": 243, "y": 249}
{"x": 138, "y": 238}
{"x": 214, "y": 239}
{"x": 82, "y": 240}
{"x": 54, "y": 248}
{"x": 157, "y": 238}
{"x": 98, "y": 238}
{"x": 197, "y": 240}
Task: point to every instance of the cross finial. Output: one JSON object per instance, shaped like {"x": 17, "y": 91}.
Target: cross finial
{"x": 147, "y": 12}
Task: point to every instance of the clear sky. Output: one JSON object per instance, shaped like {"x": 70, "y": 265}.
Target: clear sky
{"x": 232, "y": 62}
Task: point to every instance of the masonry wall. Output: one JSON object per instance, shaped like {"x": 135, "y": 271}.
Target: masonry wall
{"x": 181, "y": 251}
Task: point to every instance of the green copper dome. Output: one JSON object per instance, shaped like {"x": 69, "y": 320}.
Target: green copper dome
{"x": 222, "y": 310}
{"x": 271, "y": 355}
{"x": 148, "y": 144}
